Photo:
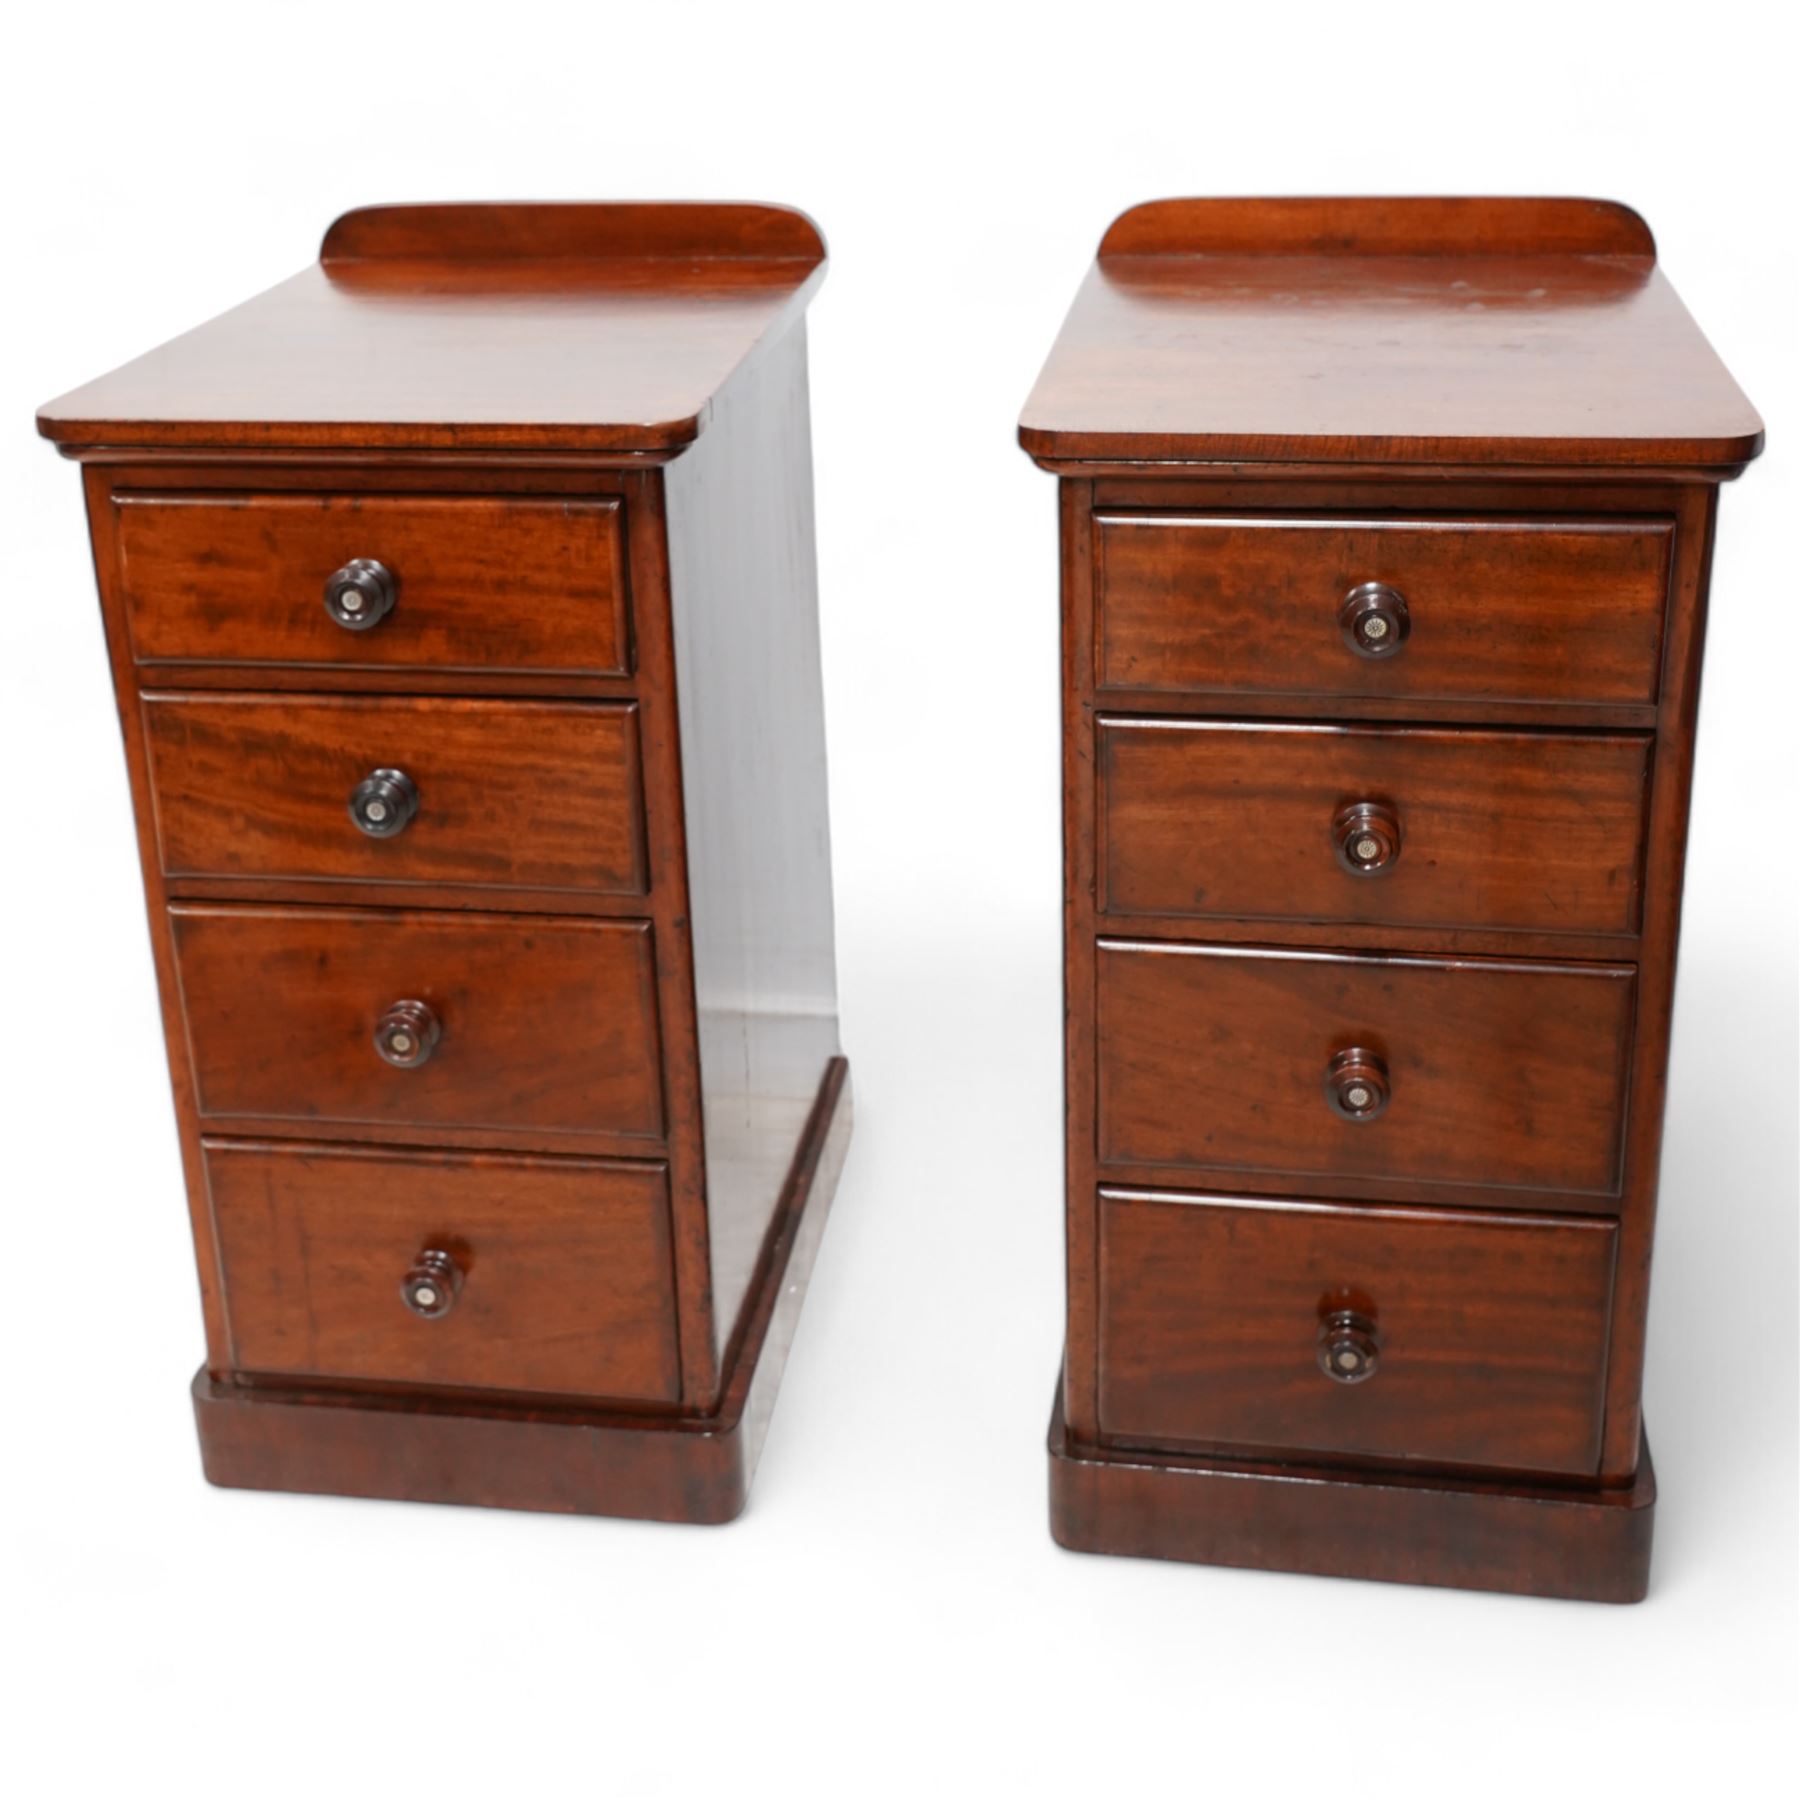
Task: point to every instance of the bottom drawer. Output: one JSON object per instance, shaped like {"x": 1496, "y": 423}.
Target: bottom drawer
{"x": 559, "y": 1278}
{"x": 1470, "y": 1339}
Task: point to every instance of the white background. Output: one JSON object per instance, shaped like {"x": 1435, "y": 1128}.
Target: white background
{"x": 890, "y": 1616}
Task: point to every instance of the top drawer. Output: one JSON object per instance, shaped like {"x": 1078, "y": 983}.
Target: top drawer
{"x": 485, "y": 585}
{"x": 1565, "y": 610}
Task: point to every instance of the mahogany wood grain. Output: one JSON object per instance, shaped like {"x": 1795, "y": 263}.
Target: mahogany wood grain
{"x": 486, "y": 400}
{"x": 1497, "y": 830}
{"x": 1490, "y": 1330}
{"x": 473, "y": 328}
{"x": 1550, "y": 1539}
{"x": 1441, "y": 225}
{"x": 1080, "y": 922}
{"x": 549, "y": 1024}
{"x": 578, "y": 230}
{"x": 567, "y": 1283}
{"x": 512, "y": 794}
{"x": 499, "y": 585}
{"x": 1676, "y": 734}
{"x": 1500, "y": 609}
{"x": 1428, "y": 332}
{"x": 1455, "y": 391}
{"x": 458, "y": 1450}
{"x": 1504, "y": 1075}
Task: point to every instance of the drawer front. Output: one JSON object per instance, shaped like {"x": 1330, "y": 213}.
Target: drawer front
{"x": 1513, "y": 610}
{"x": 562, "y": 1276}
{"x": 1508, "y": 1075}
{"x": 544, "y": 1025}
{"x": 1481, "y": 829}
{"x": 1459, "y": 1338}
{"x": 508, "y": 794}
{"x": 481, "y": 586}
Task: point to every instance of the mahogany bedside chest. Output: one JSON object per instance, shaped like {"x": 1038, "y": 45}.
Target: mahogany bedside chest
{"x": 460, "y": 596}
{"x": 1385, "y": 536}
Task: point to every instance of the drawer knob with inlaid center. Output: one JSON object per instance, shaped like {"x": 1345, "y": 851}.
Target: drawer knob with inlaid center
{"x": 1347, "y": 1348}
{"x": 430, "y": 1287}
{"x": 361, "y": 594}
{"x": 1356, "y": 1084}
{"x": 407, "y": 1034}
{"x": 1368, "y": 837}
{"x": 1374, "y": 619}
{"x": 383, "y": 803}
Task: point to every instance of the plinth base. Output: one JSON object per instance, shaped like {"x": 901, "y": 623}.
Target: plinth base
{"x": 1563, "y": 1543}
{"x": 623, "y": 1465}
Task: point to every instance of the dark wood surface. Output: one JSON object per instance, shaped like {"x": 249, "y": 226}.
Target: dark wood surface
{"x": 1552, "y": 1540}
{"x": 512, "y": 794}
{"x": 1256, "y": 408}
{"x": 460, "y": 1451}
{"x": 603, "y": 329}
{"x": 1398, "y": 225}
{"x": 1491, "y": 1330}
{"x": 1521, "y": 831}
{"x": 1542, "y": 611}
{"x": 1505, "y": 1075}
{"x": 499, "y": 585}
{"x": 568, "y": 1285}
{"x": 549, "y": 1024}
{"x": 1384, "y": 331}
{"x": 486, "y": 402}
{"x": 573, "y": 231}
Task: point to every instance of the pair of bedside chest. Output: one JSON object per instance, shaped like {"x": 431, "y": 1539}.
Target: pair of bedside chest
{"x": 461, "y": 603}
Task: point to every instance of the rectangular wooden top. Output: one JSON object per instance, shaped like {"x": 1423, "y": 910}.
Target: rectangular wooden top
{"x": 598, "y": 328}
{"x": 1426, "y": 332}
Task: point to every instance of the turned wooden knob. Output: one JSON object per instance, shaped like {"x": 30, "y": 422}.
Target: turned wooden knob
{"x": 407, "y": 1033}
{"x": 383, "y": 803}
{"x": 1347, "y": 1347}
{"x": 1374, "y": 619}
{"x": 1356, "y": 1084}
{"x": 1368, "y": 837}
{"x": 431, "y": 1285}
{"x": 361, "y": 594}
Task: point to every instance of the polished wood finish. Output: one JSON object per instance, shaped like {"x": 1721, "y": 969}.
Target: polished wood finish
{"x": 1497, "y": 609}
{"x": 459, "y": 592}
{"x": 597, "y": 329}
{"x": 470, "y": 1452}
{"x": 1489, "y": 1330}
{"x": 567, "y": 1283}
{"x": 511, "y": 794}
{"x": 1385, "y": 332}
{"x": 1505, "y": 1075}
{"x": 1445, "y": 225}
{"x": 1384, "y": 584}
{"x": 496, "y": 585}
{"x": 1503, "y": 831}
{"x": 1549, "y": 1539}
{"x": 549, "y": 1025}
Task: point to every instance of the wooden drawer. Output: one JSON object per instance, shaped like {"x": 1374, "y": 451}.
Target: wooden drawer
{"x": 1472, "y": 1338}
{"x": 489, "y": 586}
{"x": 547, "y": 1025}
{"x": 1566, "y": 610}
{"x": 1508, "y": 1075}
{"x": 566, "y": 1280}
{"x": 510, "y": 794}
{"x": 1530, "y": 831}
